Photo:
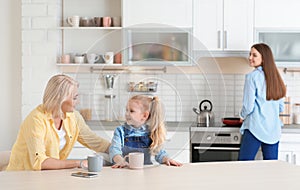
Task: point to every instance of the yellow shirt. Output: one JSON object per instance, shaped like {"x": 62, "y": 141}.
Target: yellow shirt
{"x": 37, "y": 139}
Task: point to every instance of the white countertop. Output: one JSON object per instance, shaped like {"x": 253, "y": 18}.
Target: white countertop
{"x": 250, "y": 175}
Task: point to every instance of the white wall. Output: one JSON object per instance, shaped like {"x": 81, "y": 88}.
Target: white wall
{"x": 10, "y": 72}
{"x": 40, "y": 41}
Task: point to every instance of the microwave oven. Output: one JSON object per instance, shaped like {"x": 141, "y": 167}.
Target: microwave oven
{"x": 285, "y": 45}
{"x": 157, "y": 46}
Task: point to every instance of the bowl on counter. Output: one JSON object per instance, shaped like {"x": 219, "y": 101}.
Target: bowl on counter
{"x": 232, "y": 121}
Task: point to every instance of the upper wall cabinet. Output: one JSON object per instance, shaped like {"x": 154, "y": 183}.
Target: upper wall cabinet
{"x": 176, "y": 13}
{"x": 223, "y": 24}
{"x": 277, "y": 13}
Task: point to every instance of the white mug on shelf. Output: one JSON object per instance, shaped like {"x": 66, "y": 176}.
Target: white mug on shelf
{"x": 92, "y": 57}
{"x": 108, "y": 57}
{"x": 79, "y": 59}
{"x": 73, "y": 21}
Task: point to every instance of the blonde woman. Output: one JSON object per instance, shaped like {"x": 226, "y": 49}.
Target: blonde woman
{"x": 144, "y": 131}
{"x": 49, "y": 132}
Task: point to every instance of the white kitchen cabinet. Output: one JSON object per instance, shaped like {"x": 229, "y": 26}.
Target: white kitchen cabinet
{"x": 289, "y": 148}
{"x": 178, "y": 145}
{"x": 290, "y": 156}
{"x": 277, "y": 13}
{"x": 175, "y": 13}
{"x": 223, "y": 25}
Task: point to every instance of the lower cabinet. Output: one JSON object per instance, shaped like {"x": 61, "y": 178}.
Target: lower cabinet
{"x": 289, "y": 148}
{"x": 290, "y": 156}
{"x": 177, "y": 146}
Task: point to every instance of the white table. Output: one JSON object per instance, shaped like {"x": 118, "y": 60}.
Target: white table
{"x": 268, "y": 175}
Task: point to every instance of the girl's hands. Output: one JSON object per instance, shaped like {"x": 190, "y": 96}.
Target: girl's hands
{"x": 170, "y": 162}
{"x": 119, "y": 162}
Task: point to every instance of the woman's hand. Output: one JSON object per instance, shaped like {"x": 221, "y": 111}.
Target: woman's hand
{"x": 170, "y": 162}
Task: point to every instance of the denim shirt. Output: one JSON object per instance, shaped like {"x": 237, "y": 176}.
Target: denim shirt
{"x": 261, "y": 116}
{"x": 118, "y": 142}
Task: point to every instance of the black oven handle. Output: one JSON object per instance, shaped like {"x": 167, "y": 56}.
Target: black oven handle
{"x": 216, "y": 148}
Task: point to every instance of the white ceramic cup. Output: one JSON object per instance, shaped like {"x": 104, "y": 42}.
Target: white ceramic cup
{"x": 79, "y": 59}
{"x": 135, "y": 160}
{"x": 92, "y": 58}
{"x": 73, "y": 21}
{"x": 95, "y": 163}
{"x": 108, "y": 57}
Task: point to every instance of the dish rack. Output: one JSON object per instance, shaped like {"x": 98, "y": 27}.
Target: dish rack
{"x": 142, "y": 87}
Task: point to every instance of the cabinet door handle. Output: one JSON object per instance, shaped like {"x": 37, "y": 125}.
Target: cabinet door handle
{"x": 287, "y": 158}
{"x": 219, "y": 39}
{"x": 225, "y": 39}
{"x": 294, "y": 159}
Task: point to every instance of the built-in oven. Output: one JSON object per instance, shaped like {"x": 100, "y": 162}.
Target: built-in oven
{"x": 214, "y": 144}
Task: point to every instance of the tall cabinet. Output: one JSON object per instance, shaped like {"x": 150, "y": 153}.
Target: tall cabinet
{"x": 223, "y": 24}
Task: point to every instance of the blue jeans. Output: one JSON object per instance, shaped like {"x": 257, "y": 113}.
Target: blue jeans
{"x": 250, "y": 145}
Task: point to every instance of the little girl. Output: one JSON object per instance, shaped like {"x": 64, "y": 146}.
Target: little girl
{"x": 144, "y": 131}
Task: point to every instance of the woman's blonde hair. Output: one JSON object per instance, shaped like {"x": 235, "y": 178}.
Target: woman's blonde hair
{"x": 58, "y": 88}
{"x": 155, "y": 120}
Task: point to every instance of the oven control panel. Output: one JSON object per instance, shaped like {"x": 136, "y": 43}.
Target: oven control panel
{"x": 216, "y": 137}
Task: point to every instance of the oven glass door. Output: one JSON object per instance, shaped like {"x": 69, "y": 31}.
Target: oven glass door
{"x": 215, "y": 152}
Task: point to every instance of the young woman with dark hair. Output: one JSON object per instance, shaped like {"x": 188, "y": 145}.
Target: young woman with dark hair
{"x": 264, "y": 91}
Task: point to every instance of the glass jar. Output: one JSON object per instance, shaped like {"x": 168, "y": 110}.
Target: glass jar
{"x": 297, "y": 113}
{"x": 85, "y": 106}
{"x": 109, "y": 112}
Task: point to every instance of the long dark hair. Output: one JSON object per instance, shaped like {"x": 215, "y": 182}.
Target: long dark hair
{"x": 276, "y": 88}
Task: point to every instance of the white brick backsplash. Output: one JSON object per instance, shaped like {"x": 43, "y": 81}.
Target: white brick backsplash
{"x": 26, "y": 49}
{"x": 34, "y": 61}
{"x": 26, "y": 23}
{"x": 53, "y": 36}
{"x": 44, "y": 22}
{"x": 26, "y": 76}
{"x": 48, "y": 49}
{"x": 54, "y": 11}
{"x": 32, "y": 10}
{"x": 34, "y": 35}
{"x": 45, "y": 1}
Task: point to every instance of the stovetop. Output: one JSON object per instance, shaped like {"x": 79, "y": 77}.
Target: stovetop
{"x": 216, "y": 128}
